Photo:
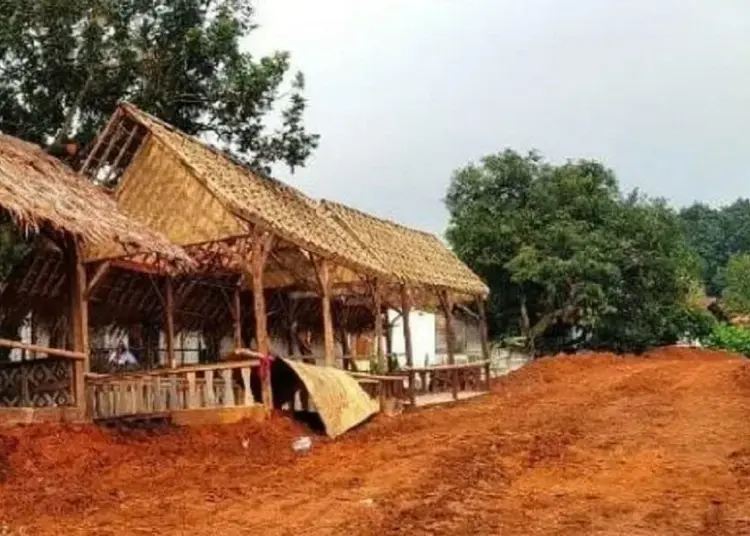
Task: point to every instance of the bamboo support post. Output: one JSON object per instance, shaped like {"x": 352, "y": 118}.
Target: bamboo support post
{"x": 261, "y": 247}
{"x": 169, "y": 321}
{"x": 226, "y": 376}
{"x": 25, "y": 396}
{"x": 324, "y": 280}
{"x": 208, "y": 378}
{"x": 484, "y": 338}
{"x": 450, "y": 332}
{"x": 405, "y": 313}
{"x": 237, "y": 316}
{"x": 247, "y": 392}
{"x": 78, "y": 319}
{"x": 377, "y": 312}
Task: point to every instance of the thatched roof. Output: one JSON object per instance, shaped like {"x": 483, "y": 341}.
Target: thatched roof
{"x": 420, "y": 257}
{"x": 39, "y": 191}
{"x": 267, "y": 203}
{"x": 204, "y": 200}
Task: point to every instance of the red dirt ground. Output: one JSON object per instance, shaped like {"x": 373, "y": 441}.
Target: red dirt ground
{"x": 566, "y": 446}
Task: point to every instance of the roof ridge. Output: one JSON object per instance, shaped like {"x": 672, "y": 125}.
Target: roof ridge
{"x": 350, "y": 230}
{"x": 379, "y": 218}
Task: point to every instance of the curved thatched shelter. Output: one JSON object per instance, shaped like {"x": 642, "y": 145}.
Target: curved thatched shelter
{"x": 40, "y": 192}
{"x": 67, "y": 221}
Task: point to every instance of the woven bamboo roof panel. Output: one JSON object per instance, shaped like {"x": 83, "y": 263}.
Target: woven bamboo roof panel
{"x": 420, "y": 257}
{"x": 268, "y": 203}
{"x": 38, "y": 190}
{"x": 161, "y": 192}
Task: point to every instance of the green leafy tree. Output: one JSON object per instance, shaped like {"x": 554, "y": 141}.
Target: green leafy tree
{"x": 716, "y": 234}
{"x": 649, "y": 303}
{"x": 736, "y": 293}
{"x": 535, "y": 232}
{"x": 66, "y": 63}
{"x": 563, "y": 251}
{"x": 706, "y": 233}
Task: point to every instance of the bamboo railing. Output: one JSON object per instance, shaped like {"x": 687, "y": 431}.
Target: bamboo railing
{"x": 472, "y": 377}
{"x": 153, "y": 392}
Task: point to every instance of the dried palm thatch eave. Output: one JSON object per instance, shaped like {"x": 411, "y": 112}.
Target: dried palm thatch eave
{"x": 420, "y": 257}
{"x": 38, "y": 191}
{"x": 263, "y": 202}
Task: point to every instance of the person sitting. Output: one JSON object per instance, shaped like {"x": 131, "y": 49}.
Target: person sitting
{"x": 121, "y": 357}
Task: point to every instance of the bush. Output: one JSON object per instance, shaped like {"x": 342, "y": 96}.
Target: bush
{"x": 695, "y": 323}
{"x": 728, "y": 337}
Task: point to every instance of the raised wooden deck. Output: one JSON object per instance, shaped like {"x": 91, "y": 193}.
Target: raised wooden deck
{"x": 221, "y": 385}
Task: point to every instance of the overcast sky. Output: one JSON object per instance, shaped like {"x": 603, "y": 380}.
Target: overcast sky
{"x": 405, "y": 91}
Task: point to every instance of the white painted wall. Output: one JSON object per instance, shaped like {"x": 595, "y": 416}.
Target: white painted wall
{"x": 422, "y": 326}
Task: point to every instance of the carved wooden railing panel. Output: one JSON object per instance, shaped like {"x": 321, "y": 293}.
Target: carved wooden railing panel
{"x": 38, "y": 383}
{"x": 45, "y": 380}
{"x": 194, "y": 387}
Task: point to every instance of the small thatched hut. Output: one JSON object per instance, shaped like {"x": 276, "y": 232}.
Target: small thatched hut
{"x": 58, "y": 216}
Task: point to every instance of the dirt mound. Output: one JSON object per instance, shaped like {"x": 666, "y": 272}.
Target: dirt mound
{"x": 65, "y": 469}
{"x": 587, "y": 444}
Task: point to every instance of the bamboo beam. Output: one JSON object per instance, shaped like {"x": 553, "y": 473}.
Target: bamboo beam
{"x": 36, "y": 349}
{"x": 99, "y": 140}
{"x": 324, "y": 279}
{"x": 406, "y": 310}
{"x": 133, "y": 266}
{"x": 169, "y": 321}
{"x": 78, "y": 317}
{"x": 123, "y": 150}
{"x": 96, "y": 278}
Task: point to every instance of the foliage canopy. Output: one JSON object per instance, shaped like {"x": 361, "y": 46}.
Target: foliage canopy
{"x": 570, "y": 260}
{"x": 66, "y": 63}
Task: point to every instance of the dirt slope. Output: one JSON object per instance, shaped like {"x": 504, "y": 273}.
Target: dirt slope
{"x": 567, "y": 446}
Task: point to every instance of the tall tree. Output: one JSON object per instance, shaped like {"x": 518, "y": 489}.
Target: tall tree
{"x": 65, "y": 64}
{"x": 563, "y": 251}
{"x": 736, "y": 292}
{"x": 717, "y": 234}
{"x": 705, "y": 231}
{"x": 649, "y": 303}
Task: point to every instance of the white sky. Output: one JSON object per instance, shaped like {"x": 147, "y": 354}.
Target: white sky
{"x": 405, "y": 91}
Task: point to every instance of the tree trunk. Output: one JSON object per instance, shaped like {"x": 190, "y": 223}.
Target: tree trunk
{"x": 526, "y": 327}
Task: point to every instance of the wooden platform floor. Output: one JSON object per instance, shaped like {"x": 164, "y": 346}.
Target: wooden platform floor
{"x": 433, "y": 399}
